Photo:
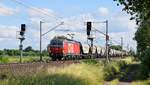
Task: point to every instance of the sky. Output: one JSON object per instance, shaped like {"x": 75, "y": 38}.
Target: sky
{"x": 74, "y": 14}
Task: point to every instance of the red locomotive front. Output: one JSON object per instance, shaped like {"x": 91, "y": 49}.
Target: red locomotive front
{"x": 63, "y": 48}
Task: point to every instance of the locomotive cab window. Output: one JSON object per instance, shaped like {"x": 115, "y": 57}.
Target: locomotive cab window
{"x": 56, "y": 42}
{"x": 53, "y": 42}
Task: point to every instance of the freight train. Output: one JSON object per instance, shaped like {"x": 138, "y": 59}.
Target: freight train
{"x": 64, "y": 48}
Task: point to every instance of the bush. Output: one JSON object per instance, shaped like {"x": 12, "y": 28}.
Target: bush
{"x": 113, "y": 70}
{"x": 146, "y": 57}
{"x": 145, "y": 61}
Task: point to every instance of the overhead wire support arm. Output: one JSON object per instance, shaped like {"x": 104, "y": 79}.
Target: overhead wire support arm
{"x": 100, "y": 32}
{"x": 52, "y": 28}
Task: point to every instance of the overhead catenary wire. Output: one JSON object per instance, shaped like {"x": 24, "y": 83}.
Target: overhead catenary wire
{"x": 53, "y": 28}
{"x": 111, "y": 39}
{"x": 109, "y": 36}
{"x": 33, "y": 8}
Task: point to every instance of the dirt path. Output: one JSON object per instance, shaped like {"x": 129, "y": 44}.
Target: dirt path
{"x": 120, "y": 83}
{"x": 130, "y": 71}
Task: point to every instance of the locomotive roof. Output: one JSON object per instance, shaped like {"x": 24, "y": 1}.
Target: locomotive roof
{"x": 62, "y": 39}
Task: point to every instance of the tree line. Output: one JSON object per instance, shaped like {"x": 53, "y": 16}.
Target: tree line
{"x": 28, "y": 51}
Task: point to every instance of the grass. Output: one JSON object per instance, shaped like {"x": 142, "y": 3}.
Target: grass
{"x": 16, "y": 59}
{"x": 76, "y": 74}
{"x": 144, "y": 82}
{"x": 128, "y": 60}
{"x": 114, "y": 82}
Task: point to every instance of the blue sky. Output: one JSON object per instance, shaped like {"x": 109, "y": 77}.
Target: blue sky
{"x": 74, "y": 14}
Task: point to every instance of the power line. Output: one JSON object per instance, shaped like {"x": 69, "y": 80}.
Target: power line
{"x": 105, "y": 35}
{"x": 40, "y": 11}
{"x": 111, "y": 39}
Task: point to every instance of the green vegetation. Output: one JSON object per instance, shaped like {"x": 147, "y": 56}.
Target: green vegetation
{"x": 29, "y": 55}
{"x": 139, "y": 11}
{"x": 142, "y": 36}
{"x": 113, "y": 70}
{"x": 16, "y": 59}
{"x": 90, "y": 72}
{"x": 145, "y": 64}
{"x": 4, "y": 59}
{"x": 28, "y": 51}
{"x": 116, "y": 47}
{"x": 76, "y": 74}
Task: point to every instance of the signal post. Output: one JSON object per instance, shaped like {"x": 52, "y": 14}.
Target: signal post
{"x": 90, "y": 37}
{"x": 22, "y": 38}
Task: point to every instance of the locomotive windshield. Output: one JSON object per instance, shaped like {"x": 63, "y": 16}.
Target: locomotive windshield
{"x": 56, "y": 42}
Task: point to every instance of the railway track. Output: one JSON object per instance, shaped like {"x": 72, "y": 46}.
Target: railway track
{"x": 38, "y": 64}
{"x": 50, "y": 63}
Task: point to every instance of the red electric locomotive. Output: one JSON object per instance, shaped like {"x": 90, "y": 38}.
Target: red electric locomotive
{"x": 63, "y": 48}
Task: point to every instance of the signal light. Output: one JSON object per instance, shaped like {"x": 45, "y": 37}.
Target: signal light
{"x": 89, "y": 26}
{"x": 88, "y": 32}
{"x": 23, "y": 27}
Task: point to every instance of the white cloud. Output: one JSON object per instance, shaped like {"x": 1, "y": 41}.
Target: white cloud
{"x": 44, "y": 14}
{"x": 123, "y": 21}
{"x": 8, "y": 37}
{"x": 121, "y": 26}
{"x": 8, "y": 31}
{"x": 4, "y": 10}
{"x": 40, "y": 11}
{"x": 103, "y": 11}
{"x": 77, "y": 22}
